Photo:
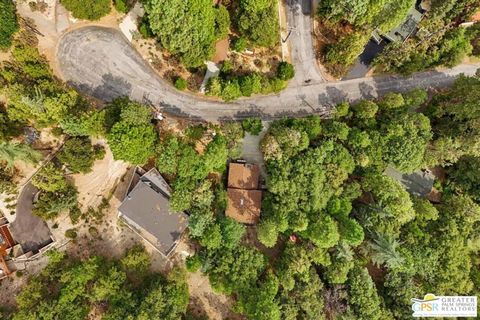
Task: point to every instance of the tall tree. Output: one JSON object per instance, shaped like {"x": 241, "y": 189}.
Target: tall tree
{"x": 187, "y": 29}
{"x": 8, "y": 23}
{"x": 11, "y": 152}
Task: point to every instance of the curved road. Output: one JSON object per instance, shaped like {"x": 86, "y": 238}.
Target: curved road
{"x": 101, "y": 62}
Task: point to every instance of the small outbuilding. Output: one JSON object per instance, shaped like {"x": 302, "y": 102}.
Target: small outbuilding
{"x": 244, "y": 199}
{"x": 146, "y": 210}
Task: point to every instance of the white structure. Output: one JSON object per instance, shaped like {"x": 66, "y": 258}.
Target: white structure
{"x": 128, "y": 26}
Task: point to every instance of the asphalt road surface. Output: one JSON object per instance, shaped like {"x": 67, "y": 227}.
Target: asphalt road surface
{"x": 301, "y": 42}
{"x": 101, "y": 62}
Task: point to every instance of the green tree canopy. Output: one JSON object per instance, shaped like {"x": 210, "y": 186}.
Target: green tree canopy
{"x": 89, "y": 9}
{"x": 133, "y": 137}
{"x": 8, "y": 23}
{"x": 187, "y": 29}
{"x": 258, "y": 21}
{"x": 78, "y": 154}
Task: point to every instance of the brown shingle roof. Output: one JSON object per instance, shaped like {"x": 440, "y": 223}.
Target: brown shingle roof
{"x": 244, "y": 205}
{"x": 243, "y": 176}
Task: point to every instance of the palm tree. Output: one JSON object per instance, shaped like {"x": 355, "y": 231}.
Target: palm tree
{"x": 384, "y": 252}
{"x": 36, "y": 103}
{"x": 11, "y": 152}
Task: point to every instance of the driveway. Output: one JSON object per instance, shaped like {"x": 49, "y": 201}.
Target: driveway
{"x": 101, "y": 62}
{"x": 364, "y": 60}
{"x": 28, "y": 230}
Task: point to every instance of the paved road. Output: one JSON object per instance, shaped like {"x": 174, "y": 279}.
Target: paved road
{"x": 301, "y": 42}
{"x": 101, "y": 62}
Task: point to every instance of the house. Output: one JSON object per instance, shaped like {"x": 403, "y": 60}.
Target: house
{"x": 403, "y": 31}
{"x": 6, "y": 243}
{"x": 146, "y": 210}
{"x": 244, "y": 200}
{"x": 418, "y": 183}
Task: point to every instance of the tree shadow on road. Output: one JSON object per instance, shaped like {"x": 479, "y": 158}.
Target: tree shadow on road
{"x": 112, "y": 87}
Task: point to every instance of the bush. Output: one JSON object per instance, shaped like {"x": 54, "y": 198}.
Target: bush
{"x": 71, "y": 233}
{"x": 246, "y": 85}
{"x": 75, "y": 214}
{"x": 121, "y": 6}
{"x": 87, "y": 9}
{"x": 214, "y": 86}
{"x": 181, "y": 84}
{"x": 277, "y": 85}
{"x": 240, "y": 45}
{"x": 38, "y": 6}
{"x": 93, "y": 232}
{"x": 250, "y": 84}
{"x": 285, "y": 71}
{"x": 227, "y": 67}
{"x": 144, "y": 28}
{"x": 253, "y": 126}
{"x": 231, "y": 90}
{"x": 193, "y": 263}
{"x": 8, "y": 23}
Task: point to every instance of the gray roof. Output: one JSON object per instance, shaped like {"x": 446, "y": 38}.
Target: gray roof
{"x": 419, "y": 183}
{"x": 147, "y": 211}
{"x": 407, "y": 27}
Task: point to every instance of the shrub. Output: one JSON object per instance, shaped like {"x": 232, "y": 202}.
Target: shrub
{"x": 121, "y": 6}
{"x": 227, "y": 67}
{"x": 75, "y": 214}
{"x": 252, "y": 125}
{"x": 277, "y": 85}
{"x": 87, "y": 9}
{"x": 71, "y": 233}
{"x": 231, "y": 90}
{"x": 181, "y": 84}
{"x": 8, "y": 23}
{"x": 38, "y": 6}
{"x": 214, "y": 86}
{"x": 240, "y": 44}
{"x": 144, "y": 28}
{"x": 7, "y": 185}
{"x": 193, "y": 263}
{"x": 93, "y": 232}
{"x": 250, "y": 84}
{"x": 285, "y": 71}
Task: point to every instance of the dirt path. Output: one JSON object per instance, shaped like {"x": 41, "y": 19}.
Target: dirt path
{"x": 106, "y": 173}
{"x": 204, "y": 301}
